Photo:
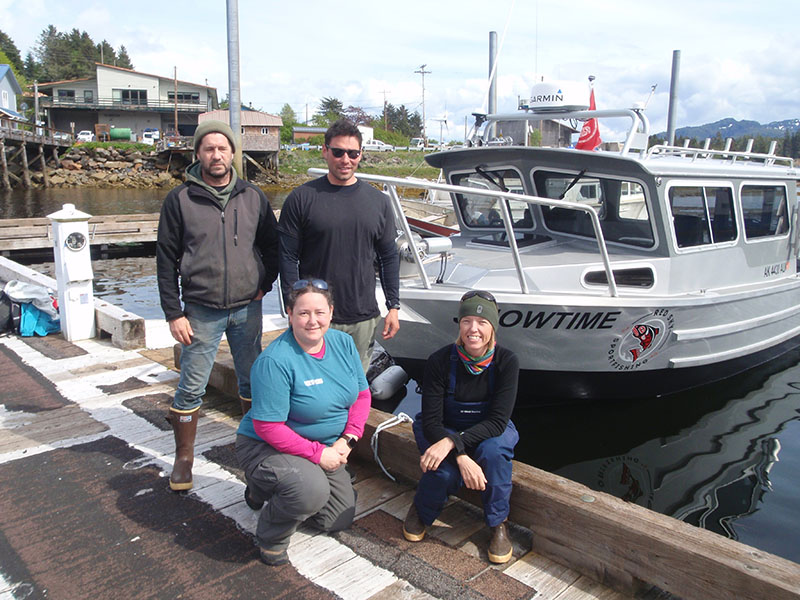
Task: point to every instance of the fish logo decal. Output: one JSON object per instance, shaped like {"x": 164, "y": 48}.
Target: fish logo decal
{"x": 642, "y": 340}
{"x": 646, "y": 335}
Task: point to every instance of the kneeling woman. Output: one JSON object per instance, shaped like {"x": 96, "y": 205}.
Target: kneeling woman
{"x": 310, "y": 404}
{"x": 464, "y": 431}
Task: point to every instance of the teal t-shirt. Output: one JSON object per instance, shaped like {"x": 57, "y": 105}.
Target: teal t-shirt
{"x": 312, "y": 395}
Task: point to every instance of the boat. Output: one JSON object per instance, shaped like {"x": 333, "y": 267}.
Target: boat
{"x": 626, "y": 274}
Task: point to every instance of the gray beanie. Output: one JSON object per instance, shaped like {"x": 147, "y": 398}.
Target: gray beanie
{"x": 213, "y": 127}
{"x": 476, "y": 306}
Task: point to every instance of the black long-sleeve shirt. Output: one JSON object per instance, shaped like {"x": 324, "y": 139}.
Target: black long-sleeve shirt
{"x": 469, "y": 388}
{"x": 336, "y": 233}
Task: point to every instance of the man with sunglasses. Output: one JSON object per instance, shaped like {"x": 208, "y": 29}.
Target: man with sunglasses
{"x": 335, "y": 228}
{"x": 216, "y": 257}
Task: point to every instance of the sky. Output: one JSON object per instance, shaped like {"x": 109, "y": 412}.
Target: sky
{"x": 738, "y": 59}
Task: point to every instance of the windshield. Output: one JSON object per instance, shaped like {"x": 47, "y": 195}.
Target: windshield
{"x": 620, "y": 204}
{"x": 485, "y": 212}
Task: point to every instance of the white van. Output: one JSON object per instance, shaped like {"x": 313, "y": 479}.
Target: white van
{"x": 416, "y": 144}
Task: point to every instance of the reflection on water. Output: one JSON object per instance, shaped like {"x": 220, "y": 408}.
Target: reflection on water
{"x": 724, "y": 457}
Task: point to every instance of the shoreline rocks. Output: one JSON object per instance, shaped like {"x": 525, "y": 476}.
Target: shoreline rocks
{"x": 111, "y": 167}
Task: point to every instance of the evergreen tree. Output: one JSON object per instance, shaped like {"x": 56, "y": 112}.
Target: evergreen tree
{"x": 123, "y": 60}
{"x": 9, "y": 48}
{"x": 107, "y": 54}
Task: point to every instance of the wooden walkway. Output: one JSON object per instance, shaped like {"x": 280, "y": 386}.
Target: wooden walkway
{"x": 36, "y": 233}
{"x": 89, "y": 513}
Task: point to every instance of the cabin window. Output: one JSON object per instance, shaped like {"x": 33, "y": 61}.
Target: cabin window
{"x": 702, "y": 215}
{"x": 641, "y": 277}
{"x": 620, "y": 206}
{"x": 484, "y": 212}
{"x": 765, "y": 210}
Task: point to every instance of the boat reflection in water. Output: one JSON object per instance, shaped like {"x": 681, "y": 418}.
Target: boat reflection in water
{"x": 713, "y": 470}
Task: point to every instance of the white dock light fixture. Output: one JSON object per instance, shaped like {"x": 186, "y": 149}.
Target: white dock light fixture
{"x": 73, "y": 272}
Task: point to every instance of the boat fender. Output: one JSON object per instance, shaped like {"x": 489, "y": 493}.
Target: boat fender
{"x": 386, "y": 385}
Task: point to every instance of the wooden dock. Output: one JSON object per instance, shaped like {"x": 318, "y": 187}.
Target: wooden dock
{"x": 22, "y": 149}
{"x": 90, "y": 514}
{"x": 104, "y": 230}
{"x": 83, "y": 438}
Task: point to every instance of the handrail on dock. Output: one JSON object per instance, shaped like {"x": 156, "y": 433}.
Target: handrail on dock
{"x": 394, "y": 182}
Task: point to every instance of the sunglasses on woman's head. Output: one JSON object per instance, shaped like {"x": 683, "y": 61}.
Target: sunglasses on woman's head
{"x": 320, "y": 284}
{"x": 339, "y": 152}
{"x": 481, "y": 294}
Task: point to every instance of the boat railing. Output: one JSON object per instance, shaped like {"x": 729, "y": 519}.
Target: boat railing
{"x": 392, "y": 183}
{"x": 637, "y": 137}
{"x": 766, "y": 159}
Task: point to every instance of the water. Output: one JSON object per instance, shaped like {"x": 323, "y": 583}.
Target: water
{"x": 725, "y": 457}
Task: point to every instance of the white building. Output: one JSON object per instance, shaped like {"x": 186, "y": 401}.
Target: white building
{"x": 123, "y": 98}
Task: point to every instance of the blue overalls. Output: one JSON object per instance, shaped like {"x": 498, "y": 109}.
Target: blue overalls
{"x": 493, "y": 455}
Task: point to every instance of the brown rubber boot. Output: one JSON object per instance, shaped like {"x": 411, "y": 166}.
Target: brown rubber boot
{"x": 413, "y": 527}
{"x": 500, "y": 548}
{"x": 184, "y": 424}
{"x": 246, "y": 404}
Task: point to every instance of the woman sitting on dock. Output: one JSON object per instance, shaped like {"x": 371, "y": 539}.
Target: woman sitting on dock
{"x": 464, "y": 432}
{"x": 310, "y": 404}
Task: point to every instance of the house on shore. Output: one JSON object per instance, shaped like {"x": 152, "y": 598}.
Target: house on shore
{"x": 124, "y": 98}
{"x": 9, "y": 90}
{"x": 261, "y": 136}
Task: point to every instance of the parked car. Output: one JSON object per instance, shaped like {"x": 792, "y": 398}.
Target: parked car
{"x": 416, "y": 144}
{"x": 150, "y": 137}
{"x": 84, "y": 136}
{"x": 377, "y": 146}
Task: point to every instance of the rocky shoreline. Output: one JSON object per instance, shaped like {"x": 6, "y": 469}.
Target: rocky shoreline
{"x": 130, "y": 168}
{"x": 111, "y": 167}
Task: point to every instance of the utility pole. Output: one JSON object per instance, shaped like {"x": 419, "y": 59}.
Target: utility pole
{"x": 423, "y": 72}
{"x": 385, "y": 122}
{"x": 176, "y": 104}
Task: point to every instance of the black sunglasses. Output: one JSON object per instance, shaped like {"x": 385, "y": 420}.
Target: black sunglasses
{"x": 481, "y": 294}
{"x": 320, "y": 284}
{"x": 339, "y": 153}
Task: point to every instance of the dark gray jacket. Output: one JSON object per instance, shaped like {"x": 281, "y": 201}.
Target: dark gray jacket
{"x": 223, "y": 256}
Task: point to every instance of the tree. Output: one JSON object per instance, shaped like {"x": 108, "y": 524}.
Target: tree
{"x": 123, "y": 60}
{"x": 289, "y": 118}
{"x": 9, "y": 48}
{"x": 358, "y": 116}
{"x": 107, "y": 54}
{"x": 328, "y": 111}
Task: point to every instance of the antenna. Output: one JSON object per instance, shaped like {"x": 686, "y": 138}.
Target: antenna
{"x": 652, "y": 91}
{"x": 423, "y": 72}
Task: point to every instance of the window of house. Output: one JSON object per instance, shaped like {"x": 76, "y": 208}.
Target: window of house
{"x": 264, "y": 131}
{"x": 765, "y": 210}
{"x": 702, "y": 215}
{"x": 88, "y": 96}
{"x": 136, "y": 97}
{"x": 185, "y": 97}
{"x": 5, "y": 99}
{"x": 66, "y": 95}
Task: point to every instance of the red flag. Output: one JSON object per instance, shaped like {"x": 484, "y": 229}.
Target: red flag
{"x": 590, "y": 134}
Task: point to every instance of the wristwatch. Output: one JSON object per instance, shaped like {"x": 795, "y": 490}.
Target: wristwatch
{"x": 395, "y": 306}
{"x": 351, "y": 441}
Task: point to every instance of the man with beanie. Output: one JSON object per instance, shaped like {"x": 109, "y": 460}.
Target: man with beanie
{"x": 336, "y": 228}
{"x": 217, "y": 253}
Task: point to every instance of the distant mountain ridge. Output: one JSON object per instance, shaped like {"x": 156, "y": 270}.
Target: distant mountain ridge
{"x": 731, "y": 128}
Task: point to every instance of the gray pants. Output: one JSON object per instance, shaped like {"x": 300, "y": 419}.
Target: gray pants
{"x": 363, "y": 334}
{"x": 295, "y": 489}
